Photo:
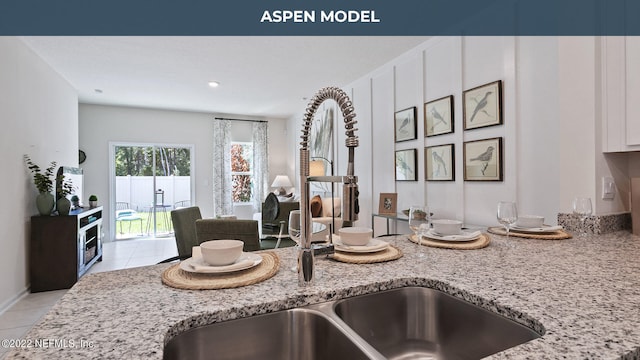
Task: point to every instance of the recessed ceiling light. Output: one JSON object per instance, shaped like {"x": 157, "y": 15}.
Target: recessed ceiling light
{"x": 214, "y": 84}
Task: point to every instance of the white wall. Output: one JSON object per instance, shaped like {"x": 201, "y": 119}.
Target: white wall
{"x": 448, "y": 66}
{"x": 100, "y": 125}
{"x": 552, "y": 149}
{"x": 39, "y": 112}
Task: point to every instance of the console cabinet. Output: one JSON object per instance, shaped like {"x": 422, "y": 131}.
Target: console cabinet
{"x": 63, "y": 248}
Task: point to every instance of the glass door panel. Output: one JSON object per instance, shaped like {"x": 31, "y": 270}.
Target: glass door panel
{"x": 150, "y": 181}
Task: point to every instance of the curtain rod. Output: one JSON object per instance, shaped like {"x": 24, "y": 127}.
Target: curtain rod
{"x": 219, "y": 118}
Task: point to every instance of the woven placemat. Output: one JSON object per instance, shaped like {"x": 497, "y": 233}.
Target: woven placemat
{"x": 479, "y": 243}
{"x": 556, "y": 235}
{"x": 180, "y": 279}
{"x": 388, "y": 254}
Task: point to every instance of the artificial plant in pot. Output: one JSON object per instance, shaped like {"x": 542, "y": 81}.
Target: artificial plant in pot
{"x": 44, "y": 183}
{"x": 93, "y": 201}
{"x": 63, "y": 205}
{"x": 75, "y": 202}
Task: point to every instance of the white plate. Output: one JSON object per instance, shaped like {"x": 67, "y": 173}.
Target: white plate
{"x": 374, "y": 245}
{"x": 464, "y": 236}
{"x": 197, "y": 265}
{"x": 544, "y": 229}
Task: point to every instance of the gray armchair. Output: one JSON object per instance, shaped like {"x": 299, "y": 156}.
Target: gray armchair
{"x": 219, "y": 229}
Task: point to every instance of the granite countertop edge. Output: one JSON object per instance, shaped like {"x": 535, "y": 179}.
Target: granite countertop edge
{"x": 581, "y": 294}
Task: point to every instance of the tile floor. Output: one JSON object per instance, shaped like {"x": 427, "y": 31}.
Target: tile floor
{"x": 121, "y": 254}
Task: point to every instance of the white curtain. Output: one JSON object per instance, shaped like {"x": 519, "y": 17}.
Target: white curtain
{"x": 222, "y": 201}
{"x": 260, "y": 164}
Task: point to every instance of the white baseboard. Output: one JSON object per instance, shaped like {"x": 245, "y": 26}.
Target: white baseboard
{"x": 9, "y": 303}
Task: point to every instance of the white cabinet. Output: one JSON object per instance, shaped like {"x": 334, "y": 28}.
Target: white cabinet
{"x": 620, "y": 58}
{"x": 632, "y": 47}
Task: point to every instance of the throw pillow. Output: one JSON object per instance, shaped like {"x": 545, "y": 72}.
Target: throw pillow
{"x": 327, "y": 206}
{"x": 316, "y": 206}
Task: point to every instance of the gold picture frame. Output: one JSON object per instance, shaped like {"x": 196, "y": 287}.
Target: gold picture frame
{"x": 388, "y": 203}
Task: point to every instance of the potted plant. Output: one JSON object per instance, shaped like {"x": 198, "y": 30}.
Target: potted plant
{"x": 93, "y": 201}
{"x": 63, "y": 205}
{"x": 75, "y": 202}
{"x": 44, "y": 183}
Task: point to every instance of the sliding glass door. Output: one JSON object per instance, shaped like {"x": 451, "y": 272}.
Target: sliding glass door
{"x": 148, "y": 181}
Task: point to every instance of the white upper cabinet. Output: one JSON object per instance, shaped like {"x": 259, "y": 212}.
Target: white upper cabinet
{"x": 620, "y": 94}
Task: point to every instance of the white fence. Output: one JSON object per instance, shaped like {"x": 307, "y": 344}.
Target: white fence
{"x": 138, "y": 191}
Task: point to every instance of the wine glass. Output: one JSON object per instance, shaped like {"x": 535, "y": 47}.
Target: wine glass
{"x": 419, "y": 224}
{"x": 295, "y": 234}
{"x": 507, "y": 215}
{"x": 582, "y": 208}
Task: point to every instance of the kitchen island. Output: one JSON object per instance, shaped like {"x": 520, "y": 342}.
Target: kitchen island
{"x": 582, "y": 294}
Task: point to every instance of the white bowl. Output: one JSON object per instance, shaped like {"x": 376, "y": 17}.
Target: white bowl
{"x": 530, "y": 221}
{"x": 355, "y": 236}
{"x": 447, "y": 227}
{"x": 221, "y": 252}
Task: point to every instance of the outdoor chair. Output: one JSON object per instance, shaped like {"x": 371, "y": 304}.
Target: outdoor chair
{"x": 125, "y": 214}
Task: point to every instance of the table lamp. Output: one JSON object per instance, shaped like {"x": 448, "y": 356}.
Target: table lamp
{"x": 280, "y": 182}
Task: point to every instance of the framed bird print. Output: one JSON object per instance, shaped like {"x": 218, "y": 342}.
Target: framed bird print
{"x": 406, "y": 127}
{"x": 482, "y": 106}
{"x": 438, "y": 116}
{"x": 483, "y": 160}
{"x": 406, "y": 164}
{"x": 439, "y": 163}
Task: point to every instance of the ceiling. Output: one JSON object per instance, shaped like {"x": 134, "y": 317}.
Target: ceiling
{"x": 266, "y": 77}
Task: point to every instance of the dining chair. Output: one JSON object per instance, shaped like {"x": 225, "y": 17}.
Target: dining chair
{"x": 184, "y": 226}
{"x": 220, "y": 229}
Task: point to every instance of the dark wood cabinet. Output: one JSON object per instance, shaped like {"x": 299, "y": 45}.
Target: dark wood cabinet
{"x": 63, "y": 248}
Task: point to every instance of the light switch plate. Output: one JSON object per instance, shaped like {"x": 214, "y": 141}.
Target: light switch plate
{"x": 608, "y": 188}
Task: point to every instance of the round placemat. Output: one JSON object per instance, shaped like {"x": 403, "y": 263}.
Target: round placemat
{"x": 388, "y": 254}
{"x": 180, "y": 279}
{"x": 556, "y": 235}
{"x": 479, "y": 243}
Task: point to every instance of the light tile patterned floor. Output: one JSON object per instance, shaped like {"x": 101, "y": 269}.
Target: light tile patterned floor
{"x": 121, "y": 254}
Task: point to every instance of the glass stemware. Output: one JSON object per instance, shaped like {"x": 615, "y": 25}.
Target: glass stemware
{"x": 507, "y": 215}
{"x": 295, "y": 235}
{"x": 419, "y": 224}
{"x": 582, "y": 208}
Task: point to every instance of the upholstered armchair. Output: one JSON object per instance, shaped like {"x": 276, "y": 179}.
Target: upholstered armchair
{"x": 219, "y": 229}
{"x": 322, "y": 210}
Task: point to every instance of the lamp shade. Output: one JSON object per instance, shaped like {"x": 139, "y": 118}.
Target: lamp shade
{"x": 316, "y": 168}
{"x": 281, "y": 181}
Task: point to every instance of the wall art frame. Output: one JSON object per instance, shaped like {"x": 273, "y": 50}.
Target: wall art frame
{"x": 438, "y": 116}
{"x": 483, "y": 160}
{"x": 406, "y": 164}
{"x": 440, "y": 163}
{"x": 482, "y": 106}
{"x": 405, "y": 125}
{"x": 388, "y": 204}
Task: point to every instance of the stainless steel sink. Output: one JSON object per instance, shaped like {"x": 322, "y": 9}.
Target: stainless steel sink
{"x": 405, "y": 323}
{"x": 422, "y": 323}
{"x": 287, "y": 335}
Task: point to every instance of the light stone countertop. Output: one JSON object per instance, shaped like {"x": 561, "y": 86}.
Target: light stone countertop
{"x": 583, "y": 293}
